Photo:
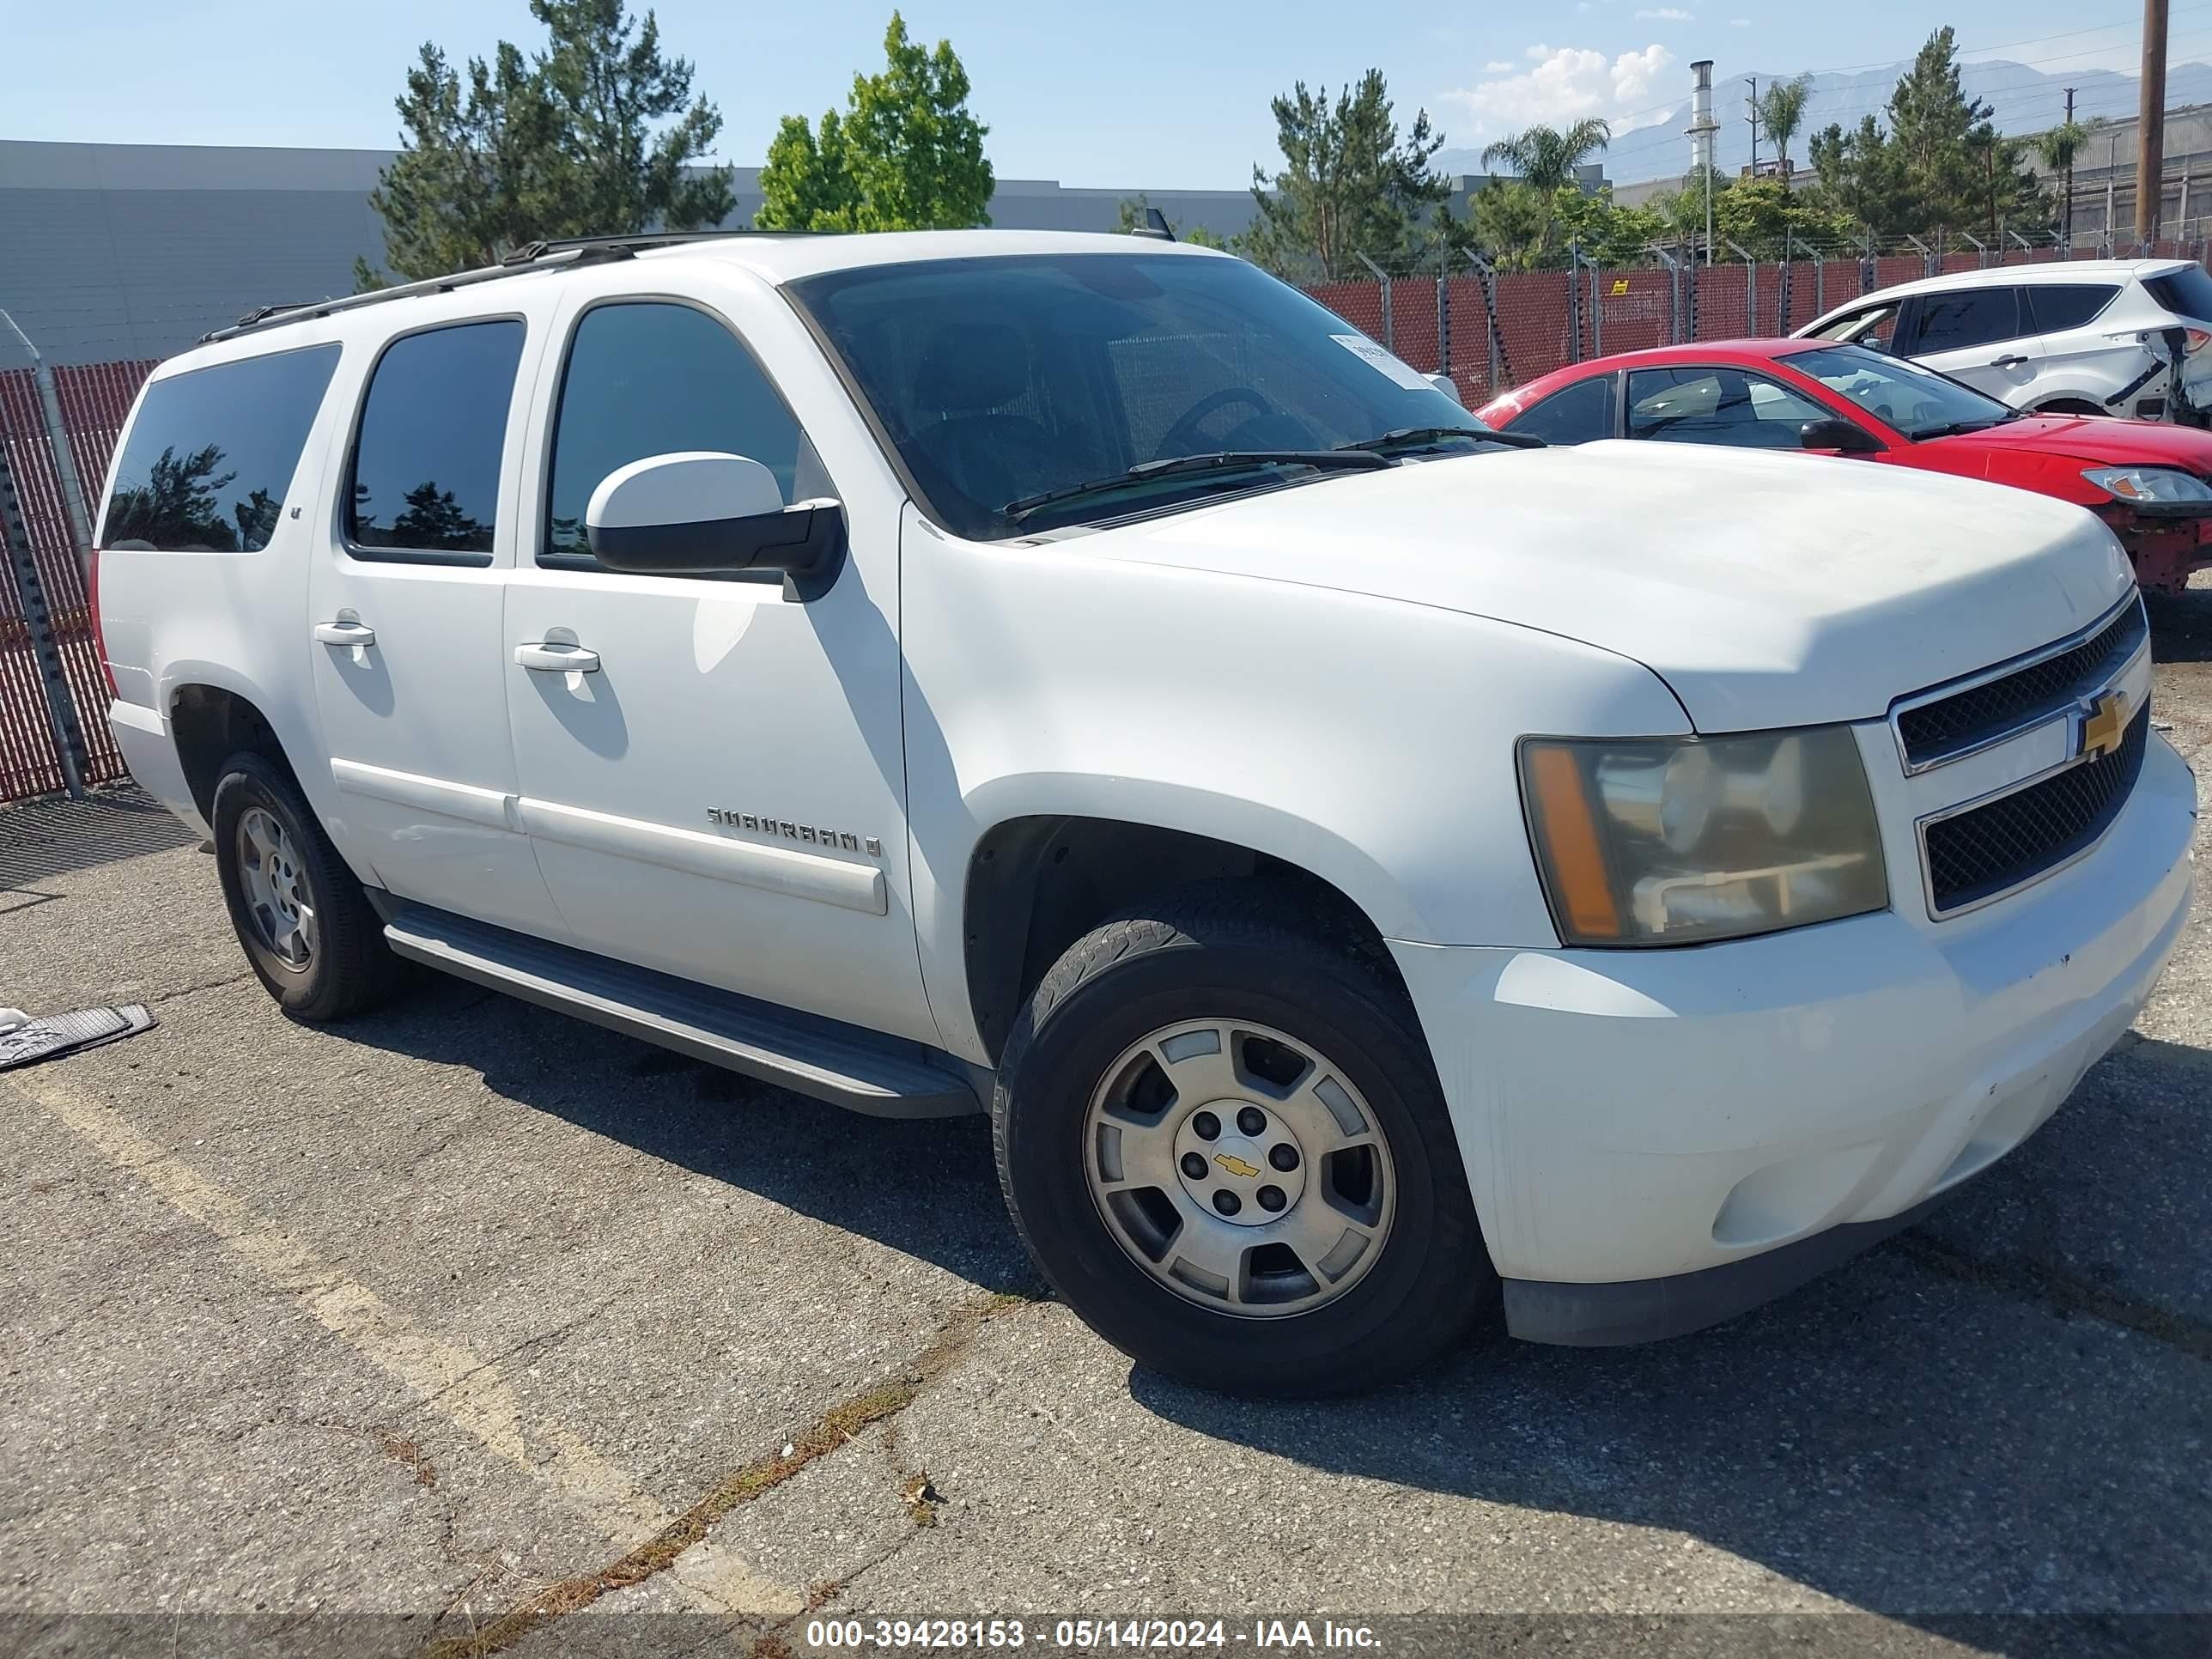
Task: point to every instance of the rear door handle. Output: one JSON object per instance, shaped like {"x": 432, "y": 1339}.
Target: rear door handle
{"x": 552, "y": 657}
{"x": 2007, "y": 362}
{"x": 344, "y": 633}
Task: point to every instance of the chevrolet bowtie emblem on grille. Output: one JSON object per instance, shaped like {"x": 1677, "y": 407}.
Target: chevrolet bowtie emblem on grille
{"x": 1236, "y": 1165}
{"x": 2105, "y": 724}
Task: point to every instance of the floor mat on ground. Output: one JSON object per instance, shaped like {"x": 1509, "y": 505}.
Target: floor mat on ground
{"x": 27, "y": 1041}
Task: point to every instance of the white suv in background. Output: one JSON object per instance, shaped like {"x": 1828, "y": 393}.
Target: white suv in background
{"x": 1355, "y": 857}
{"x": 2087, "y": 337}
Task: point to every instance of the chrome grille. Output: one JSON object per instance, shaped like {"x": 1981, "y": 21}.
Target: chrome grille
{"x": 1945, "y": 727}
{"x": 1977, "y": 855}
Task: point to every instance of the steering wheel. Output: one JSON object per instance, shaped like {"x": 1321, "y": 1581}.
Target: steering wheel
{"x": 1184, "y": 437}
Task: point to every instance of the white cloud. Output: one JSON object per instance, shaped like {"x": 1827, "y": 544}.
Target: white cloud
{"x": 1495, "y": 67}
{"x": 1666, "y": 14}
{"x": 1566, "y": 84}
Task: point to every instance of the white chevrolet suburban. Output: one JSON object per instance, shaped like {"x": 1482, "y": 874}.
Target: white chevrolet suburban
{"x": 1368, "y": 868}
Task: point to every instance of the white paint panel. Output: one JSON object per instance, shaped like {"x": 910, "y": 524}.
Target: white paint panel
{"x": 788, "y": 871}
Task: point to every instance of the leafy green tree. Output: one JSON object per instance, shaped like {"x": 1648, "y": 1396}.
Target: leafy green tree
{"x": 1932, "y": 124}
{"x": 1348, "y": 185}
{"x": 1508, "y": 221}
{"x": 1859, "y": 175}
{"x": 593, "y": 135}
{"x": 907, "y": 154}
{"x": 1606, "y": 233}
{"x": 1782, "y": 112}
{"x": 2058, "y": 149}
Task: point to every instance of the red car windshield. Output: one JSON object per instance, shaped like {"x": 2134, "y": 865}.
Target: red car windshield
{"x": 1918, "y": 402}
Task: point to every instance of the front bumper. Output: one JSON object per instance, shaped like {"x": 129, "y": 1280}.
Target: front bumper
{"x": 1628, "y": 1117}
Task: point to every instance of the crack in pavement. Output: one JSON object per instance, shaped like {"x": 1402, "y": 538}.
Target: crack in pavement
{"x": 838, "y": 1427}
{"x": 2063, "y": 1291}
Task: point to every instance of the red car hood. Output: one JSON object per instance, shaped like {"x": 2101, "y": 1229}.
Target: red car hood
{"x": 2095, "y": 438}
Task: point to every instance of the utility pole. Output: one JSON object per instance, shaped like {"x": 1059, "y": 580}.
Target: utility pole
{"x": 2067, "y": 212}
{"x": 2150, "y": 161}
{"x": 1752, "y": 81}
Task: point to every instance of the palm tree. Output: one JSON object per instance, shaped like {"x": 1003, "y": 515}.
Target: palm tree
{"x": 2058, "y": 149}
{"x": 1547, "y": 157}
{"x": 1782, "y": 112}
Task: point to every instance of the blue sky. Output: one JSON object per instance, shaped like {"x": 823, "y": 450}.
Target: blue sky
{"x": 1151, "y": 92}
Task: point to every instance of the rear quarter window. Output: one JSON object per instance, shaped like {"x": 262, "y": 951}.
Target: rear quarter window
{"x": 211, "y": 457}
{"x": 2186, "y": 293}
{"x": 1576, "y": 414}
{"x": 2057, "y": 306}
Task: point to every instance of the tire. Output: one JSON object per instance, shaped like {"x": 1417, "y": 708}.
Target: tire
{"x": 1249, "y": 959}
{"x": 336, "y": 964}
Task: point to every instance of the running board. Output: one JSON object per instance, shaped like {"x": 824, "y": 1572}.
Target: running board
{"x": 860, "y": 1070}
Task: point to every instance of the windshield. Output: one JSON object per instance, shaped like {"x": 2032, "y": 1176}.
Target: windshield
{"x": 1002, "y": 380}
{"x": 1918, "y": 402}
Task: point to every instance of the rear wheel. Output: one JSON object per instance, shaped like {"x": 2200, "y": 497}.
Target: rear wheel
{"x": 306, "y": 926}
{"x": 1222, "y": 1137}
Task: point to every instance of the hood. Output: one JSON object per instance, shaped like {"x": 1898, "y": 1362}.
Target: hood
{"x": 1766, "y": 590}
{"x": 2093, "y": 441}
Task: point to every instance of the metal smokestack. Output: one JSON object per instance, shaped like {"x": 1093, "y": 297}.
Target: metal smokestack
{"x": 1702, "y": 125}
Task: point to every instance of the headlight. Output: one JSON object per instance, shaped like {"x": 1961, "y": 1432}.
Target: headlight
{"x": 2156, "y": 486}
{"x": 1679, "y": 841}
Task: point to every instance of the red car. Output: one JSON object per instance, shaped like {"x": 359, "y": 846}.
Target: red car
{"x": 2151, "y": 483}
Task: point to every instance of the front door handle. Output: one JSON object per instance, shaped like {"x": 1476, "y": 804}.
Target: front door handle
{"x": 2007, "y": 362}
{"x": 552, "y": 657}
{"x": 344, "y": 633}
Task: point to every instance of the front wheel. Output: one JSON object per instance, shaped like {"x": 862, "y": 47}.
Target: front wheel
{"x": 1222, "y": 1137}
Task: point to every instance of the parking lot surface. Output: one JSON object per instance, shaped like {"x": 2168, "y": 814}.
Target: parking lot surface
{"x": 468, "y": 1324}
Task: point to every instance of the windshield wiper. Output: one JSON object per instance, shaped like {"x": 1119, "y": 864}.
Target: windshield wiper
{"x": 1229, "y": 460}
{"x": 1429, "y": 435}
{"x": 1953, "y": 428}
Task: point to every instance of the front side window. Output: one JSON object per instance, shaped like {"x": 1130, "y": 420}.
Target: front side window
{"x": 1970, "y": 316}
{"x": 211, "y": 457}
{"x": 651, "y": 378}
{"x": 999, "y": 380}
{"x": 1716, "y": 406}
{"x": 426, "y": 460}
{"x": 1917, "y": 401}
{"x": 1577, "y": 414}
{"x": 1875, "y": 325}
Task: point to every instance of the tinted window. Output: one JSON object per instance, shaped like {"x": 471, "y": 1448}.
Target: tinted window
{"x": 1000, "y": 379}
{"x": 212, "y": 453}
{"x": 2055, "y": 306}
{"x": 425, "y": 462}
{"x": 2186, "y": 293}
{"x": 653, "y": 380}
{"x": 1716, "y": 406}
{"x": 1969, "y": 317}
{"x": 1573, "y": 415}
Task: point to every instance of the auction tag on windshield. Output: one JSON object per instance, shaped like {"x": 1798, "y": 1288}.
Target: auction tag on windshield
{"x": 1382, "y": 362}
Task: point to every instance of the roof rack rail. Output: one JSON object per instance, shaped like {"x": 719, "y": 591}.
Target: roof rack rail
{"x": 532, "y": 256}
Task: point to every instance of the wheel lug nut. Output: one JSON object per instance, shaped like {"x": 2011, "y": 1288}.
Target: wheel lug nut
{"x": 1227, "y": 1203}
{"x": 1194, "y": 1166}
{"x": 1283, "y": 1156}
{"x": 1252, "y": 1121}
{"x": 1205, "y": 1126}
{"x": 1271, "y": 1199}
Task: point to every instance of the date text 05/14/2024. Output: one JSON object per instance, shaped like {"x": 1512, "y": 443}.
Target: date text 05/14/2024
{"x": 1162, "y": 1635}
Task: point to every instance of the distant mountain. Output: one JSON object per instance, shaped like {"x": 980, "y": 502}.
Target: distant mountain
{"x": 2026, "y": 101}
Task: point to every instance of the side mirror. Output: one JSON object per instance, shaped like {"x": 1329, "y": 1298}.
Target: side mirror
{"x": 1842, "y": 436}
{"x": 700, "y": 513}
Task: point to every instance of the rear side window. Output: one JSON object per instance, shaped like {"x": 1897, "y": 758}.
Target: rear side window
{"x": 212, "y": 453}
{"x": 425, "y": 472}
{"x": 2186, "y": 293}
{"x": 649, "y": 378}
{"x": 2055, "y": 306}
{"x": 1969, "y": 317}
{"x": 1573, "y": 415}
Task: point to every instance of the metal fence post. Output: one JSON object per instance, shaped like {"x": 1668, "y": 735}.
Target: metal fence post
{"x": 49, "y": 409}
{"x": 1488, "y": 279}
{"x": 1866, "y": 267}
{"x": 1929, "y": 265}
{"x": 1443, "y": 313}
{"x": 1750, "y": 289}
{"x": 1674, "y": 293}
{"x": 46, "y": 650}
{"x": 1574, "y": 301}
{"x": 1390, "y": 328}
